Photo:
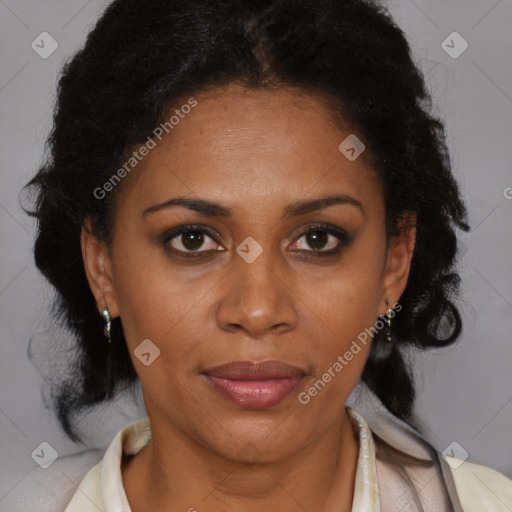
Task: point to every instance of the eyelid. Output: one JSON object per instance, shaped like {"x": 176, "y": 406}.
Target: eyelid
{"x": 339, "y": 233}
{"x": 330, "y": 228}
{"x": 343, "y": 238}
{"x": 175, "y": 232}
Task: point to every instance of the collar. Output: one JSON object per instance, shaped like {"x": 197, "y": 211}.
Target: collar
{"x": 387, "y": 426}
{"x": 365, "y": 410}
{"x": 366, "y": 490}
{"x": 107, "y": 479}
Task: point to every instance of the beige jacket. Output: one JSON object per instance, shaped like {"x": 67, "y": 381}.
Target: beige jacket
{"x": 390, "y": 453}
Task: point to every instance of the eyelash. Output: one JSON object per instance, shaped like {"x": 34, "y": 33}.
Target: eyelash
{"x": 339, "y": 233}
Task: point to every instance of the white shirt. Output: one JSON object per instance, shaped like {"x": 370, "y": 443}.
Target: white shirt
{"x": 102, "y": 488}
{"x": 390, "y": 452}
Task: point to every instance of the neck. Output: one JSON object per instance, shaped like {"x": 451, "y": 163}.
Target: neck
{"x": 174, "y": 472}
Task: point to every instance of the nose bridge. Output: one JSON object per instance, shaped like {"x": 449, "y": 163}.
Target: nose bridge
{"x": 257, "y": 298}
{"x": 257, "y": 276}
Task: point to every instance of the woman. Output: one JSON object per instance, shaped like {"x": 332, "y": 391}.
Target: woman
{"x": 249, "y": 209}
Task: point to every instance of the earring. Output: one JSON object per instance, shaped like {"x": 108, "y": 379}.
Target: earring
{"x": 106, "y": 328}
{"x": 389, "y": 314}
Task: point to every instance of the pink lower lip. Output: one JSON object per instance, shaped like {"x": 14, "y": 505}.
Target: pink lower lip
{"x": 256, "y": 394}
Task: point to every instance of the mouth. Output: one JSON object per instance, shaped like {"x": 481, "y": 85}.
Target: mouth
{"x": 255, "y": 385}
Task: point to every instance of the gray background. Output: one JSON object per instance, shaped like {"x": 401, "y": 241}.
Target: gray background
{"x": 464, "y": 392}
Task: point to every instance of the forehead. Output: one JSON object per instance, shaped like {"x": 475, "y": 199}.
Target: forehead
{"x": 249, "y": 145}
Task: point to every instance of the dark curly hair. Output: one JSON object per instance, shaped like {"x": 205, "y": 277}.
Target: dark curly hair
{"x": 143, "y": 56}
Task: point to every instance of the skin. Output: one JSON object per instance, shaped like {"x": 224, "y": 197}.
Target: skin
{"x": 254, "y": 152}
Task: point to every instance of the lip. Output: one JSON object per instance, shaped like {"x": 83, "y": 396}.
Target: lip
{"x": 253, "y": 385}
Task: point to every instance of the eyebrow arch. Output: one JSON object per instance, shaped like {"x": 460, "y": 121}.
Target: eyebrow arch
{"x": 294, "y": 209}
{"x": 302, "y": 207}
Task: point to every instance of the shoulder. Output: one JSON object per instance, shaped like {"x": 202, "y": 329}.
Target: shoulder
{"x": 474, "y": 487}
{"x": 102, "y": 487}
{"x": 49, "y": 490}
{"x": 480, "y": 487}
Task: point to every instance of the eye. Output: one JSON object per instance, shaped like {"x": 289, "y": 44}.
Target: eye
{"x": 324, "y": 240}
{"x": 196, "y": 241}
{"x": 190, "y": 239}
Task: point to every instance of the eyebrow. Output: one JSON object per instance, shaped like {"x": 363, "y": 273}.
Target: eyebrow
{"x": 211, "y": 209}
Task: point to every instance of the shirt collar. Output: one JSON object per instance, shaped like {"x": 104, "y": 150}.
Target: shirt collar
{"x": 137, "y": 435}
{"x": 366, "y": 489}
{"x": 129, "y": 440}
{"x": 387, "y": 426}
{"x": 365, "y": 410}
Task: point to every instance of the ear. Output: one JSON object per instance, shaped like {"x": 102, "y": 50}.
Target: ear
{"x": 399, "y": 256}
{"x": 98, "y": 269}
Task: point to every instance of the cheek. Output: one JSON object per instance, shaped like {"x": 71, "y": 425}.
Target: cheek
{"x": 154, "y": 301}
{"x": 346, "y": 312}
{"x": 341, "y": 330}
{"x": 169, "y": 305}
{"x": 344, "y": 340}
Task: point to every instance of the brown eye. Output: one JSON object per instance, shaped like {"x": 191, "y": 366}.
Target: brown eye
{"x": 188, "y": 239}
{"x": 316, "y": 239}
{"x": 321, "y": 241}
{"x": 192, "y": 240}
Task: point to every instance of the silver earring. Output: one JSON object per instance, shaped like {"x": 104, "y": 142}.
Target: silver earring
{"x": 389, "y": 314}
{"x": 107, "y": 327}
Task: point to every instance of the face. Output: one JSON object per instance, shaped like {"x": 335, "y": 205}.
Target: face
{"x": 257, "y": 270}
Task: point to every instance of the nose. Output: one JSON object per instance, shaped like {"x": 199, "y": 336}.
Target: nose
{"x": 257, "y": 297}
